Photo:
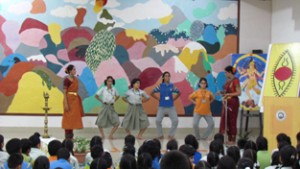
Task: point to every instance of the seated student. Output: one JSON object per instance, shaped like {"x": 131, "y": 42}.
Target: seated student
{"x": 15, "y": 161}
{"x": 63, "y": 157}
{"x": 172, "y": 145}
{"x": 151, "y": 147}
{"x": 241, "y": 144}
{"x": 282, "y": 137}
{"x": 250, "y": 145}
{"x": 298, "y": 138}
{"x": 26, "y": 146}
{"x": 96, "y": 152}
{"x": 3, "y": 155}
{"x": 288, "y": 157}
{"x": 217, "y": 147}
{"x": 107, "y": 157}
{"x": 234, "y": 153}
{"x": 263, "y": 155}
{"x": 128, "y": 162}
{"x": 226, "y": 162}
{"x": 275, "y": 161}
{"x": 175, "y": 159}
{"x": 68, "y": 144}
{"x": 189, "y": 151}
{"x": 220, "y": 137}
{"x": 99, "y": 163}
{"x": 144, "y": 161}
{"x": 191, "y": 140}
{"x": 13, "y": 146}
{"x": 96, "y": 140}
{"x": 53, "y": 147}
{"x": 35, "y": 151}
{"x": 213, "y": 159}
{"x": 251, "y": 154}
{"x": 245, "y": 162}
{"x": 41, "y": 162}
{"x": 203, "y": 165}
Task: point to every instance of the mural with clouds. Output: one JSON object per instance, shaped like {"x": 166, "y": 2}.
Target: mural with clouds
{"x": 125, "y": 39}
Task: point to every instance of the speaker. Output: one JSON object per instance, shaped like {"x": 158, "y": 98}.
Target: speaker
{"x": 257, "y": 51}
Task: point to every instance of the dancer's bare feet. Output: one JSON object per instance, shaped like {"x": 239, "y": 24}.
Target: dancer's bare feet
{"x": 171, "y": 137}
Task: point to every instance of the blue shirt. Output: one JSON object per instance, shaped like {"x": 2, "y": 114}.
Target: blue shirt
{"x": 62, "y": 163}
{"x": 197, "y": 157}
{"x": 25, "y": 165}
{"x": 166, "y": 94}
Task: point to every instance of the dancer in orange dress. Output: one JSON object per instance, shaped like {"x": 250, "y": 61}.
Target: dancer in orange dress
{"x": 73, "y": 110}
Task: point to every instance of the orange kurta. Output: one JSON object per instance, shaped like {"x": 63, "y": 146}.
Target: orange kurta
{"x": 202, "y": 107}
{"x": 72, "y": 118}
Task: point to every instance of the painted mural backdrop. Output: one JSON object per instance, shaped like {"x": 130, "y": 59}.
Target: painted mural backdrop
{"x": 125, "y": 39}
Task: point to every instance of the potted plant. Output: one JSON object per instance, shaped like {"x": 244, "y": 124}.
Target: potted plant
{"x": 81, "y": 145}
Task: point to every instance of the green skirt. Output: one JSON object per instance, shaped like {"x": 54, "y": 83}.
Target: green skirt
{"x": 135, "y": 118}
{"x": 108, "y": 117}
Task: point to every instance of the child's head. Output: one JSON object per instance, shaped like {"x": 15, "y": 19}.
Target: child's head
{"x": 275, "y": 158}
{"x": 298, "y": 138}
{"x": 250, "y": 153}
{"x": 188, "y": 150}
{"x": 13, "y": 146}
{"x": 234, "y": 153}
{"x": 96, "y": 140}
{"x": 128, "y": 162}
{"x": 97, "y": 151}
{"x": 191, "y": 140}
{"x": 261, "y": 143}
{"x": 63, "y": 153}
{"x": 212, "y": 159}
{"x": 220, "y": 137}
{"x": 15, "y": 161}
{"x": 150, "y": 147}
{"x": 129, "y": 149}
{"x": 144, "y": 161}
{"x": 226, "y": 162}
{"x": 216, "y": 146}
{"x": 283, "y": 137}
{"x": 68, "y": 144}
{"x": 202, "y": 165}
{"x": 288, "y": 156}
{"x": 99, "y": 163}
{"x": 53, "y": 147}
{"x": 41, "y": 162}
{"x": 245, "y": 162}
{"x": 129, "y": 139}
{"x": 108, "y": 159}
{"x": 250, "y": 145}
{"x": 1, "y": 142}
{"x": 175, "y": 159}
{"x": 35, "y": 140}
{"x": 26, "y": 146}
{"x": 241, "y": 143}
{"x": 172, "y": 145}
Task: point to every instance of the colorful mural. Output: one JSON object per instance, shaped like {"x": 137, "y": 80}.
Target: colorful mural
{"x": 250, "y": 70}
{"x": 125, "y": 39}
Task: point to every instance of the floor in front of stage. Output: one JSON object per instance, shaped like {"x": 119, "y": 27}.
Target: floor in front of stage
{"x": 115, "y": 146}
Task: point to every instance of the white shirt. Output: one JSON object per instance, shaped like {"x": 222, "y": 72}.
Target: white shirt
{"x": 108, "y": 95}
{"x": 35, "y": 153}
{"x": 135, "y": 96}
{"x": 3, "y": 158}
{"x": 74, "y": 162}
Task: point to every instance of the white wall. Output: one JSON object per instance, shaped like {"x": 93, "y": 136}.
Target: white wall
{"x": 285, "y": 21}
{"x": 255, "y": 25}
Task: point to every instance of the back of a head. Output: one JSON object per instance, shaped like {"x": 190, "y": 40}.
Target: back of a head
{"x": 283, "y": 137}
{"x": 63, "y": 153}
{"x": 245, "y": 162}
{"x": 261, "y": 143}
{"x": 219, "y": 136}
{"x": 41, "y": 162}
{"x": 216, "y": 146}
{"x": 150, "y": 147}
{"x": 226, "y": 162}
{"x": 107, "y": 157}
{"x": 175, "y": 160}
{"x": 97, "y": 151}
{"x": 298, "y": 137}
{"x": 96, "y": 140}
{"x": 144, "y": 161}
{"x": 172, "y": 145}
{"x": 68, "y": 144}
{"x": 35, "y": 140}
{"x": 288, "y": 156}
{"x": 202, "y": 165}
{"x": 187, "y": 150}
{"x": 1, "y": 142}
{"x": 191, "y": 140}
{"x": 15, "y": 160}
{"x": 234, "y": 153}
{"x": 99, "y": 163}
{"x": 53, "y": 147}
{"x": 250, "y": 153}
{"x": 250, "y": 145}
{"x": 129, "y": 139}
{"x": 26, "y": 145}
{"x": 129, "y": 149}
{"x": 212, "y": 159}
{"x": 241, "y": 143}
{"x": 128, "y": 162}
{"x": 13, "y": 146}
{"x": 275, "y": 158}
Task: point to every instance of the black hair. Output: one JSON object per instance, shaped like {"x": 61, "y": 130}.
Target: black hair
{"x": 163, "y": 76}
{"x": 288, "y": 156}
{"x": 150, "y": 147}
{"x": 133, "y": 81}
{"x": 261, "y": 143}
{"x": 297, "y": 137}
{"x": 42, "y": 162}
{"x": 275, "y": 158}
{"x": 226, "y": 162}
{"x": 97, "y": 151}
{"x": 250, "y": 145}
{"x": 241, "y": 143}
{"x": 99, "y": 163}
{"x": 109, "y": 77}
{"x": 282, "y": 144}
{"x": 1, "y": 142}
{"x": 234, "y": 153}
{"x": 108, "y": 159}
{"x": 129, "y": 139}
{"x": 15, "y": 160}
{"x": 245, "y": 162}
{"x": 230, "y": 69}
{"x": 212, "y": 159}
{"x": 202, "y": 165}
{"x": 26, "y": 145}
{"x": 13, "y": 146}
{"x": 216, "y": 146}
{"x": 203, "y": 79}
{"x": 129, "y": 149}
{"x": 250, "y": 153}
{"x": 158, "y": 145}
{"x": 175, "y": 159}
{"x": 96, "y": 140}
{"x": 187, "y": 150}
{"x": 67, "y": 143}
{"x": 69, "y": 68}
{"x": 219, "y": 136}
{"x": 35, "y": 139}
{"x": 191, "y": 140}
{"x": 128, "y": 162}
{"x": 144, "y": 161}
{"x": 283, "y": 137}
{"x": 53, "y": 147}
{"x": 63, "y": 153}
{"x": 172, "y": 145}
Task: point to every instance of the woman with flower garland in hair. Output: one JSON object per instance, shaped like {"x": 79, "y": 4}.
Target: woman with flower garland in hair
{"x": 230, "y": 94}
{"x": 73, "y": 109}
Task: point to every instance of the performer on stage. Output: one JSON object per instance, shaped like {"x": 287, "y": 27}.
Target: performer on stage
{"x": 202, "y": 99}
{"x": 135, "y": 118}
{"x": 168, "y": 93}
{"x": 231, "y": 92}
{"x": 73, "y": 110}
{"x": 108, "y": 117}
